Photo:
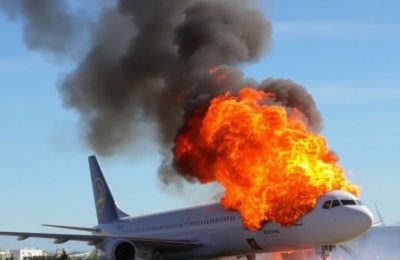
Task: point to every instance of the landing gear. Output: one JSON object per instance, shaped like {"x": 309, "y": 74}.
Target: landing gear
{"x": 324, "y": 251}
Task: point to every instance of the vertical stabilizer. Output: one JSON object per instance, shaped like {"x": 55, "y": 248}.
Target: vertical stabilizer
{"x": 106, "y": 207}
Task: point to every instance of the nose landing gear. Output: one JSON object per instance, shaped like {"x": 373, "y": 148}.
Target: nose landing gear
{"x": 324, "y": 251}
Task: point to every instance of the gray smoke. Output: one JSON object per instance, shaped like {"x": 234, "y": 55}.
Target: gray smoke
{"x": 145, "y": 69}
{"x": 286, "y": 93}
{"x": 48, "y": 25}
{"x": 149, "y": 61}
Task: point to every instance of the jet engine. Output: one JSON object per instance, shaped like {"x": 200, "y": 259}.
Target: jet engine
{"x": 117, "y": 250}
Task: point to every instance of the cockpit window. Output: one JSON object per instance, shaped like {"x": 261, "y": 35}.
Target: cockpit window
{"x": 348, "y": 202}
{"x": 335, "y": 203}
{"x": 327, "y": 204}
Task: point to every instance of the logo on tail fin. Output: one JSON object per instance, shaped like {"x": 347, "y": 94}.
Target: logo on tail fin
{"x": 100, "y": 195}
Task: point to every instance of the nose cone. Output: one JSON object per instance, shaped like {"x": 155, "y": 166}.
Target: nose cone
{"x": 363, "y": 220}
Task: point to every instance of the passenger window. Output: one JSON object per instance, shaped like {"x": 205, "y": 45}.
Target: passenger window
{"x": 348, "y": 202}
{"x": 359, "y": 202}
{"x": 335, "y": 203}
{"x": 327, "y": 204}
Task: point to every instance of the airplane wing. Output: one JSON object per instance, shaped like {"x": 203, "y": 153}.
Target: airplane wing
{"x": 167, "y": 244}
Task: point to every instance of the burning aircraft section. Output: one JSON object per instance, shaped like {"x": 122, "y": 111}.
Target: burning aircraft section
{"x": 175, "y": 64}
{"x": 270, "y": 165}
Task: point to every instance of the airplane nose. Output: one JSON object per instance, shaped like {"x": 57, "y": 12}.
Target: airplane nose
{"x": 363, "y": 220}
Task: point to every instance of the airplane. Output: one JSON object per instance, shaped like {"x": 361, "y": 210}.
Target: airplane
{"x": 210, "y": 231}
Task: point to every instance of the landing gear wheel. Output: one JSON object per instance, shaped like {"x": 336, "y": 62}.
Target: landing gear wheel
{"x": 324, "y": 251}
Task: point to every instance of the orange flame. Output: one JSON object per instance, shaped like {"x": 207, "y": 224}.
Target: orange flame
{"x": 271, "y": 166}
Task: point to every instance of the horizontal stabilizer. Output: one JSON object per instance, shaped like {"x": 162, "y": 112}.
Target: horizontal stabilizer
{"x": 73, "y": 228}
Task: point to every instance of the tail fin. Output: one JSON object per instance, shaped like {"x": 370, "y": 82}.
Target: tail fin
{"x": 106, "y": 207}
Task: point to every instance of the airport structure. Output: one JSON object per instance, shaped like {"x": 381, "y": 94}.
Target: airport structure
{"x": 31, "y": 253}
{"x": 22, "y": 253}
{"x": 4, "y": 254}
{"x": 27, "y": 253}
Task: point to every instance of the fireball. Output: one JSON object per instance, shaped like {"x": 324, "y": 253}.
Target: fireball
{"x": 271, "y": 165}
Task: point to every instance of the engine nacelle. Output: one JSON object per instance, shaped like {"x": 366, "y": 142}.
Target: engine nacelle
{"x": 115, "y": 249}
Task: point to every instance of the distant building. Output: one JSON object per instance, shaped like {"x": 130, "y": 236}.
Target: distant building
{"x": 4, "y": 254}
{"x": 27, "y": 253}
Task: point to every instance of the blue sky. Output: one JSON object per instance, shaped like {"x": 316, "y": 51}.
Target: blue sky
{"x": 346, "y": 53}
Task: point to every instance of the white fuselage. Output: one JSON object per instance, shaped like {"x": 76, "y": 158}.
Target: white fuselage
{"x": 223, "y": 234}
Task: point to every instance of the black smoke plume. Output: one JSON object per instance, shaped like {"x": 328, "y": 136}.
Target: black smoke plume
{"x": 150, "y": 61}
{"x": 48, "y": 25}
